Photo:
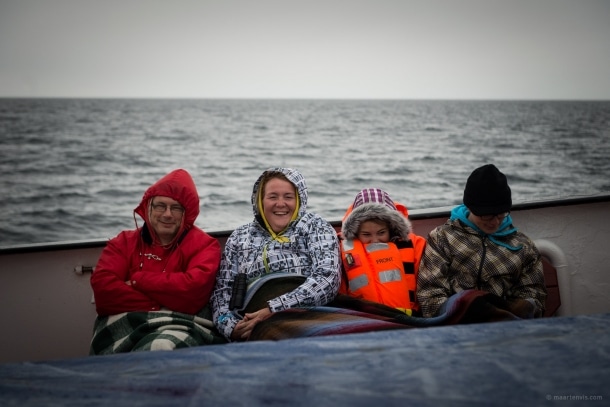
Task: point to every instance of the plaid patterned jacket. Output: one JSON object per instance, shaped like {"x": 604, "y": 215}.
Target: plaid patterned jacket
{"x": 457, "y": 258}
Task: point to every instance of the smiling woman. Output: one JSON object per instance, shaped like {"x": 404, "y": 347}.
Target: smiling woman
{"x": 279, "y": 201}
{"x": 282, "y": 238}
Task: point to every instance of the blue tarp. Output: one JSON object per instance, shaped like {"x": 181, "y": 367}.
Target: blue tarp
{"x": 552, "y": 362}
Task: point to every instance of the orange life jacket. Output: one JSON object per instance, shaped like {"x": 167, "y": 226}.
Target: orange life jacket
{"x": 382, "y": 272}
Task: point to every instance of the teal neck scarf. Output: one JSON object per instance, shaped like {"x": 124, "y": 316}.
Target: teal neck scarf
{"x": 506, "y": 228}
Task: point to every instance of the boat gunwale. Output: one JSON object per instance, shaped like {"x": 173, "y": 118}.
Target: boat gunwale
{"x": 414, "y": 215}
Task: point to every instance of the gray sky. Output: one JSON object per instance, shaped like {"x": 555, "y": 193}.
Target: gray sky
{"x": 391, "y": 49}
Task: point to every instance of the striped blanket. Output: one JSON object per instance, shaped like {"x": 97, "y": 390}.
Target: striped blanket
{"x": 157, "y": 330}
{"x": 167, "y": 330}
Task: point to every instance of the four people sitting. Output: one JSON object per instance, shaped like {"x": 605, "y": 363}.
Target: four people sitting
{"x": 164, "y": 285}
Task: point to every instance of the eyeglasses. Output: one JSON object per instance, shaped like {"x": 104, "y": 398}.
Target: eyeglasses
{"x": 499, "y": 216}
{"x": 161, "y": 208}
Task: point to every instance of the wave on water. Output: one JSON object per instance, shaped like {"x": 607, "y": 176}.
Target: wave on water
{"x": 75, "y": 169}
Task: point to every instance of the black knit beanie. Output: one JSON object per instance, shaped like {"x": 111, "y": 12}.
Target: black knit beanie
{"x": 487, "y": 191}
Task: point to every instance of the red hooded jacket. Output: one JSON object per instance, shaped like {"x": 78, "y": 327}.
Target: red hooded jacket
{"x": 134, "y": 274}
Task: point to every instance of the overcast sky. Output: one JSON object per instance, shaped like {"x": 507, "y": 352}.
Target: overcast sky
{"x": 390, "y": 49}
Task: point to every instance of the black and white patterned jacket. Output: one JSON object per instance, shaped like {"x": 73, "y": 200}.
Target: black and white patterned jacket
{"x": 311, "y": 250}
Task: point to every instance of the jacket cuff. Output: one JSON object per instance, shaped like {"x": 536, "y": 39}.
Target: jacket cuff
{"x": 275, "y": 305}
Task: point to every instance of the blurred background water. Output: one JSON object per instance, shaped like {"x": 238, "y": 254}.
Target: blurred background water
{"x": 74, "y": 169}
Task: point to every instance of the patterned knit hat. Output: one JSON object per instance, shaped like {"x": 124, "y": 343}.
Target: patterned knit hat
{"x": 373, "y": 203}
{"x": 373, "y": 195}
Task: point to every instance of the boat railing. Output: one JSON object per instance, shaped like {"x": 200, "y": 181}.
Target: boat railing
{"x": 416, "y": 216}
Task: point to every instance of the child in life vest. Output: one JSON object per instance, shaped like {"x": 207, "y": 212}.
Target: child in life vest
{"x": 379, "y": 251}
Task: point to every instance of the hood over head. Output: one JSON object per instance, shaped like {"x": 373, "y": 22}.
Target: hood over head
{"x": 177, "y": 185}
{"x": 294, "y": 176}
{"x": 376, "y": 204}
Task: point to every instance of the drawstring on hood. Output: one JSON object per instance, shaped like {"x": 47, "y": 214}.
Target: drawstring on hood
{"x": 277, "y": 236}
{"x": 297, "y": 179}
{"x": 506, "y": 228}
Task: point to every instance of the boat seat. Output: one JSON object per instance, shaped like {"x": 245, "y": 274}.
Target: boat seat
{"x": 556, "y": 278}
{"x": 553, "y": 300}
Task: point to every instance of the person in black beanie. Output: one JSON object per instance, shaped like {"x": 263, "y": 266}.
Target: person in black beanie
{"x": 479, "y": 248}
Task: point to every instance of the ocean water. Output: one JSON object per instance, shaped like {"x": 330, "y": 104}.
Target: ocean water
{"x": 74, "y": 169}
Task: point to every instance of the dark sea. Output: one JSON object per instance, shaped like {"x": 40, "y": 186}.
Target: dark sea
{"x": 74, "y": 169}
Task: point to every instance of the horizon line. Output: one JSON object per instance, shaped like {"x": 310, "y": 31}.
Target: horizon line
{"x": 532, "y": 99}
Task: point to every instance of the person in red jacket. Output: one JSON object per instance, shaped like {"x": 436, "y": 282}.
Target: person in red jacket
{"x": 152, "y": 284}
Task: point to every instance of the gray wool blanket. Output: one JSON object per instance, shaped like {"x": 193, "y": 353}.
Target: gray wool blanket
{"x": 156, "y": 330}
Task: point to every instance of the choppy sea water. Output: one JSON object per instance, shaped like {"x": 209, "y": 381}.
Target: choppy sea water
{"x": 74, "y": 169}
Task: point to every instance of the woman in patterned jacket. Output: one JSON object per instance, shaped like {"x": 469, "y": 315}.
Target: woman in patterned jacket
{"x": 282, "y": 238}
